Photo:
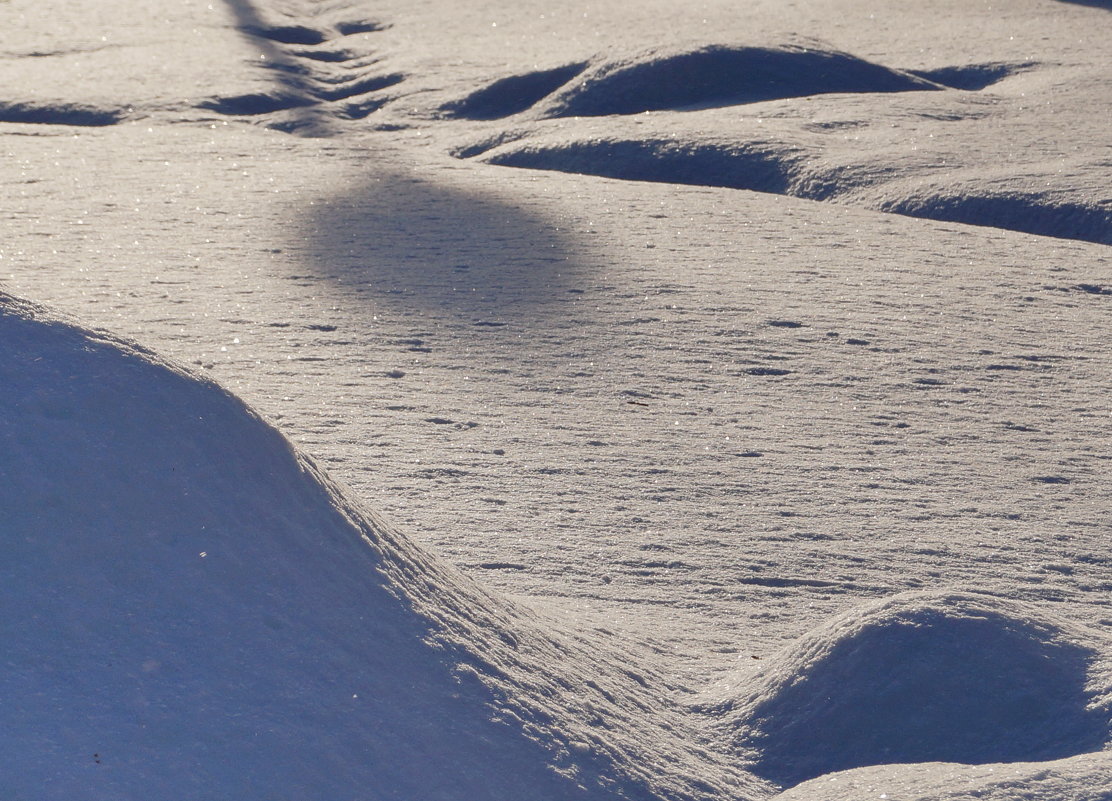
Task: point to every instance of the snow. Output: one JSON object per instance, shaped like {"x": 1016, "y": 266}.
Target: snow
{"x": 925, "y": 678}
{"x": 1081, "y": 778}
{"x": 193, "y": 610}
{"x": 751, "y": 441}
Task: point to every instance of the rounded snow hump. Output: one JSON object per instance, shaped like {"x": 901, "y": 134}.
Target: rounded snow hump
{"x": 923, "y": 677}
{"x": 192, "y": 609}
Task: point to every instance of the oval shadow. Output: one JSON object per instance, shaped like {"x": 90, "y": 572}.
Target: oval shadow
{"x": 457, "y": 246}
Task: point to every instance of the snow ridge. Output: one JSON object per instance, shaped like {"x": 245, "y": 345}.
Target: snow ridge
{"x": 728, "y": 116}
{"x": 193, "y": 609}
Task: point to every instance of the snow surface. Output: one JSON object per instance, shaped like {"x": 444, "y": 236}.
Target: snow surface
{"x": 925, "y": 678}
{"x": 757, "y": 431}
{"x": 1080, "y": 778}
{"x": 193, "y": 610}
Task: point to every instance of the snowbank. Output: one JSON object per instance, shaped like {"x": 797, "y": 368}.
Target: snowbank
{"x": 945, "y": 677}
{"x": 809, "y": 121}
{"x": 192, "y": 610}
{"x": 685, "y": 78}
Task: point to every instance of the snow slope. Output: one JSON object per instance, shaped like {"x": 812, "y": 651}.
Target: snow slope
{"x": 1080, "y": 778}
{"x": 192, "y": 607}
{"x": 805, "y": 120}
{"x": 193, "y": 610}
{"x": 698, "y": 411}
{"x": 917, "y": 678}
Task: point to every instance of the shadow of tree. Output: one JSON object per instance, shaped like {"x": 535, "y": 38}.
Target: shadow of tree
{"x": 455, "y": 247}
{"x": 303, "y": 114}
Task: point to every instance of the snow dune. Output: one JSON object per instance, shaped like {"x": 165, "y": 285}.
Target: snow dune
{"x": 709, "y": 419}
{"x": 193, "y": 610}
{"x": 926, "y": 677}
{"x": 703, "y": 77}
{"x": 1080, "y": 778}
{"x": 791, "y": 119}
{"x": 58, "y": 114}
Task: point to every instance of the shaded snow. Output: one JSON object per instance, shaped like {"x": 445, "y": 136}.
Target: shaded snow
{"x": 925, "y": 678}
{"x": 193, "y": 610}
{"x": 681, "y": 424}
{"x": 704, "y": 77}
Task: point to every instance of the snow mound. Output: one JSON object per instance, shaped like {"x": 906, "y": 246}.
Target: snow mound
{"x": 191, "y": 609}
{"x": 721, "y": 75}
{"x": 923, "y": 678}
{"x": 1080, "y": 778}
{"x": 1028, "y": 212}
{"x": 974, "y": 77}
{"x": 59, "y": 113}
{"x": 796, "y": 166}
{"x": 286, "y": 34}
{"x": 512, "y": 94}
{"x": 255, "y": 103}
{"x": 755, "y": 166}
{"x": 671, "y": 79}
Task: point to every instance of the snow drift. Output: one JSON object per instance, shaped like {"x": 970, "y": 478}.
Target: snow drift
{"x": 670, "y": 78}
{"x": 1079, "y": 778}
{"x": 924, "y": 678}
{"x": 796, "y": 164}
{"x": 803, "y": 120}
{"x": 722, "y": 75}
{"x": 192, "y": 610}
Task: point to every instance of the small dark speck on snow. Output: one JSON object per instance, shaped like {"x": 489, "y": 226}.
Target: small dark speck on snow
{"x": 440, "y": 421}
{"x": 785, "y": 323}
{"x": 767, "y": 371}
{"x": 321, "y": 327}
{"x": 1051, "y": 479}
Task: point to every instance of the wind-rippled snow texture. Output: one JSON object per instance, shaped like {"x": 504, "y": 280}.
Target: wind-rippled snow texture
{"x": 193, "y": 610}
